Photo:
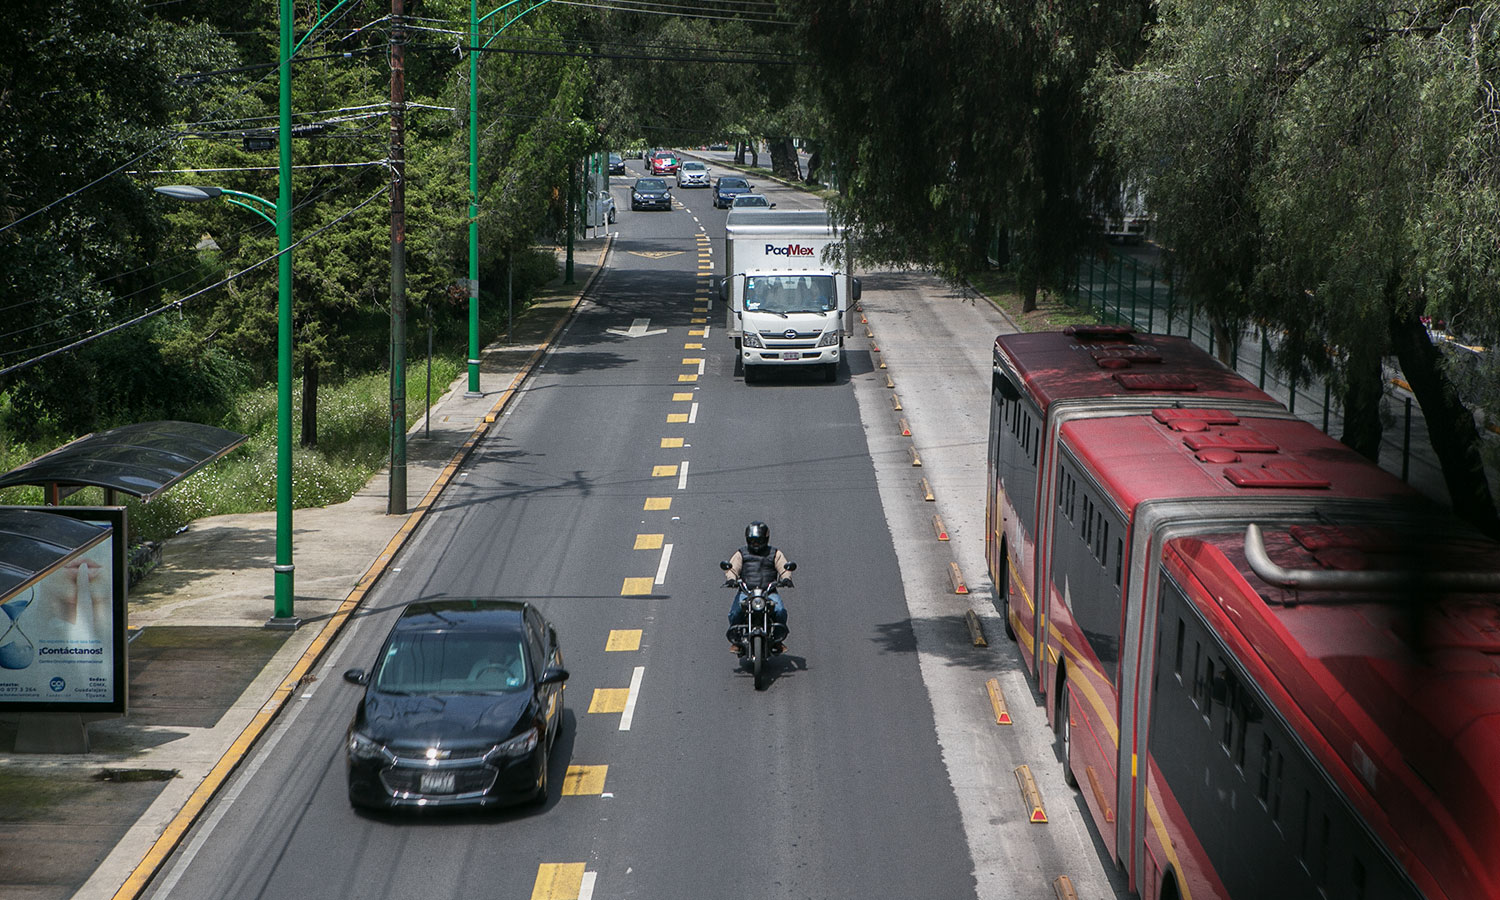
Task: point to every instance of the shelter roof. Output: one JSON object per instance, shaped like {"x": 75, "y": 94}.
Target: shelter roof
{"x": 142, "y": 460}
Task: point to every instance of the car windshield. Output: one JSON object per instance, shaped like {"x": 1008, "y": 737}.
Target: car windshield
{"x": 451, "y": 662}
{"x": 750, "y": 200}
{"x": 733, "y": 183}
{"x": 693, "y": 167}
{"x": 650, "y": 184}
{"x": 790, "y": 293}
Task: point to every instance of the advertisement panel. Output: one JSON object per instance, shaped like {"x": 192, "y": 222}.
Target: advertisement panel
{"x": 62, "y": 633}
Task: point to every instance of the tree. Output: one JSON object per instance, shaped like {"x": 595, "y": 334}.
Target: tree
{"x": 86, "y": 91}
{"x": 946, "y": 117}
{"x": 1317, "y": 169}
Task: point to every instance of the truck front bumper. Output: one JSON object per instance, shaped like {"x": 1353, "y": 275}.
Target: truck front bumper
{"x": 817, "y": 356}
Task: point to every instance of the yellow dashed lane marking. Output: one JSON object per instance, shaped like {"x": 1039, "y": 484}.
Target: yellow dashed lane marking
{"x": 663, "y": 471}
{"x": 677, "y": 418}
{"x": 658, "y": 503}
{"x": 609, "y": 700}
{"x": 583, "y": 781}
{"x": 698, "y": 332}
{"x": 636, "y": 587}
{"x": 679, "y": 396}
{"x": 691, "y": 361}
{"x": 558, "y": 881}
{"x": 693, "y": 345}
{"x": 623, "y": 640}
{"x": 698, "y": 322}
{"x": 692, "y": 377}
{"x": 700, "y": 309}
{"x": 671, "y": 442}
{"x": 649, "y": 541}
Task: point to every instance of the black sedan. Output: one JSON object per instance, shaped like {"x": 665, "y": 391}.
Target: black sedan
{"x": 462, "y": 708}
{"x": 650, "y": 193}
{"x": 727, "y": 188}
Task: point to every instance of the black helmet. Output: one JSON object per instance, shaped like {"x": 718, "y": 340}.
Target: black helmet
{"x": 758, "y": 537}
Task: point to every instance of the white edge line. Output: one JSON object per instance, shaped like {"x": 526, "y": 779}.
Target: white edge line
{"x": 693, "y": 414}
{"x": 701, "y": 363}
{"x": 586, "y": 887}
{"x": 682, "y": 476}
{"x": 666, "y": 557}
{"x": 635, "y": 690}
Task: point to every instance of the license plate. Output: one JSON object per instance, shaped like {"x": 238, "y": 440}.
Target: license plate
{"x": 437, "y": 782}
{"x": 791, "y": 354}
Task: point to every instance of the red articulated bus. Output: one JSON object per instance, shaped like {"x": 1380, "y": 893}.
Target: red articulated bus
{"x": 1274, "y": 668}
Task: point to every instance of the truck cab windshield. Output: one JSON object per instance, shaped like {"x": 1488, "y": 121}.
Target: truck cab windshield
{"x": 790, "y": 293}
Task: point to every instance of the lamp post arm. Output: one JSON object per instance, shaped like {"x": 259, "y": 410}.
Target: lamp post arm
{"x": 511, "y": 21}
{"x": 319, "y": 24}
{"x": 258, "y": 205}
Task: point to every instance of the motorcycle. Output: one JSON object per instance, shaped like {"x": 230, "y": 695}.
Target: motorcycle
{"x": 758, "y": 632}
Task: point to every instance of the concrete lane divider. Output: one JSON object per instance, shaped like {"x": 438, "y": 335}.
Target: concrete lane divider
{"x": 1031, "y": 796}
{"x": 925, "y": 490}
{"x": 957, "y": 578}
{"x": 916, "y": 458}
{"x": 939, "y": 527}
{"x": 1062, "y": 888}
{"x": 997, "y": 702}
{"x": 976, "y": 630}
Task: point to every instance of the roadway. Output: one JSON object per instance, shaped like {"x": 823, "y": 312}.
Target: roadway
{"x": 871, "y": 765}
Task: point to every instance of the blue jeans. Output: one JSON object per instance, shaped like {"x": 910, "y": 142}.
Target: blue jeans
{"x": 778, "y": 612}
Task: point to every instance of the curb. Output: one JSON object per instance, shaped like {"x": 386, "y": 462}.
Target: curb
{"x": 140, "y": 877}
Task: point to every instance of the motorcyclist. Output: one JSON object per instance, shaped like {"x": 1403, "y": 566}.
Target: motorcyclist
{"x": 759, "y": 565}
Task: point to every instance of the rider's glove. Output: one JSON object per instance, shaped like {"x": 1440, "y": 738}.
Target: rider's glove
{"x": 729, "y": 582}
{"x": 786, "y": 582}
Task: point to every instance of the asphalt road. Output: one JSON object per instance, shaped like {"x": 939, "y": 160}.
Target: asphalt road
{"x": 855, "y": 774}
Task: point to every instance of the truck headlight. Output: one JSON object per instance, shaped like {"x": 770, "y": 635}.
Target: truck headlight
{"x": 751, "y": 339}
{"x": 829, "y": 338}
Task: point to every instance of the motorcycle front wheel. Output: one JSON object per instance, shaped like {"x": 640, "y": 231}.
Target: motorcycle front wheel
{"x": 758, "y": 660}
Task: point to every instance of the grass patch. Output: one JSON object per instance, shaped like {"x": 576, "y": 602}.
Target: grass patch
{"x": 27, "y": 796}
{"x": 1051, "y": 313}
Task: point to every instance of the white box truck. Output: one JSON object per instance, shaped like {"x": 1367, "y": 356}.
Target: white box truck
{"x": 785, "y": 304}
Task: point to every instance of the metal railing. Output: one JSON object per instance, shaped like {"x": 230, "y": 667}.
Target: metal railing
{"x": 1128, "y": 289}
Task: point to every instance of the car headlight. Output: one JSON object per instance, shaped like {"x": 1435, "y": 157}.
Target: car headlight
{"x": 362, "y": 746}
{"x": 635, "y": 196}
{"x": 751, "y": 339}
{"x": 829, "y": 339}
{"x": 520, "y": 745}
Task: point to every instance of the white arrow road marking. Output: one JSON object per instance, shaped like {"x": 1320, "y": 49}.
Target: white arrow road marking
{"x": 638, "y": 328}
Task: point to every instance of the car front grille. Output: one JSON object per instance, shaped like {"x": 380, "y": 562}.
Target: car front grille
{"x": 407, "y": 780}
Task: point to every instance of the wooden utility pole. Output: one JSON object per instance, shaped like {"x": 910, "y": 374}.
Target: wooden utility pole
{"x": 396, "y": 500}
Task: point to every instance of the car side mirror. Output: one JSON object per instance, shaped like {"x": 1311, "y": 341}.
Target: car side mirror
{"x": 724, "y": 289}
{"x": 791, "y": 566}
{"x": 724, "y": 564}
{"x": 553, "y": 675}
{"x": 854, "y": 287}
{"x": 356, "y": 676}
{"x": 773, "y": 206}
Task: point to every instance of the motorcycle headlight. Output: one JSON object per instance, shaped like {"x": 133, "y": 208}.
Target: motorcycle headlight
{"x": 758, "y": 604}
{"x": 829, "y": 339}
{"x": 751, "y": 339}
{"x": 362, "y": 746}
{"x": 520, "y": 745}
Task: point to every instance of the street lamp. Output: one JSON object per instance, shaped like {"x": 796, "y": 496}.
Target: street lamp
{"x": 475, "y": 48}
{"x": 282, "y": 616}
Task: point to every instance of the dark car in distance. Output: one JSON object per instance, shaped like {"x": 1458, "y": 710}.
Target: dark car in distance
{"x": 727, "y": 187}
{"x": 650, "y": 193}
{"x": 616, "y": 164}
{"x": 461, "y": 709}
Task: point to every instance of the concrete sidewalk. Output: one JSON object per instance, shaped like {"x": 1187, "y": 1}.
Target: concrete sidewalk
{"x": 206, "y": 676}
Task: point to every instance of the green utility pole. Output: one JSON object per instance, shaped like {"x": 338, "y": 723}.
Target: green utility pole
{"x": 282, "y": 616}
{"x": 474, "y": 50}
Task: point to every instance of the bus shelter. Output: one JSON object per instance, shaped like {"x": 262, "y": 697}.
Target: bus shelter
{"x": 64, "y": 576}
